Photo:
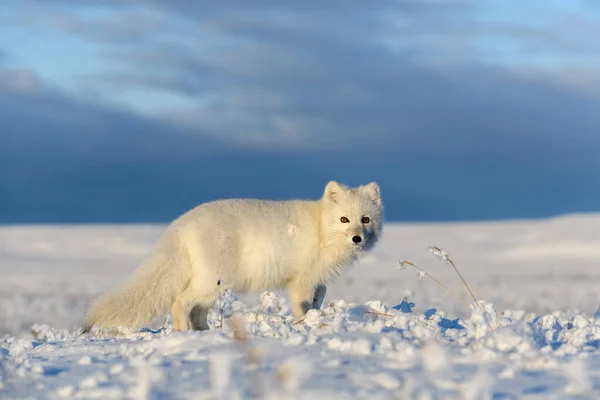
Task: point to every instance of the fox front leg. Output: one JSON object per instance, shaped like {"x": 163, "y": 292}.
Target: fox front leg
{"x": 305, "y": 297}
{"x": 302, "y": 298}
{"x": 320, "y": 291}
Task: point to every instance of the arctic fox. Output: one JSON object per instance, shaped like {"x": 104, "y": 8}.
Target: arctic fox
{"x": 247, "y": 245}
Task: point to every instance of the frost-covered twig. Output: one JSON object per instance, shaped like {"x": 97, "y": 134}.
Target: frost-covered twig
{"x": 219, "y": 283}
{"x": 378, "y": 313}
{"x": 442, "y": 255}
{"x": 262, "y": 299}
{"x": 321, "y": 315}
{"x": 404, "y": 263}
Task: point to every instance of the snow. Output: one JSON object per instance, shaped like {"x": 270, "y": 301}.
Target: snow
{"x": 382, "y": 332}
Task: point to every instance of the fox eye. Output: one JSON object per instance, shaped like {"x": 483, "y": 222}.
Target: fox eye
{"x": 366, "y": 220}
{"x": 344, "y": 220}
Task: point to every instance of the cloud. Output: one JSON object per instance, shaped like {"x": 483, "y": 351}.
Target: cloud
{"x": 72, "y": 161}
{"x": 300, "y": 78}
{"x": 19, "y": 81}
{"x": 47, "y": 123}
{"x": 426, "y": 97}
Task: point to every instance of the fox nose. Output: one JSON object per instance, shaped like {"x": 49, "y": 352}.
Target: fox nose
{"x": 356, "y": 239}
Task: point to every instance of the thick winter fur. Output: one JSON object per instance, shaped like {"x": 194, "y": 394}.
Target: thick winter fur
{"x": 249, "y": 246}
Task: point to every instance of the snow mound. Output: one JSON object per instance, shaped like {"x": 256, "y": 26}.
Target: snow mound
{"x": 343, "y": 351}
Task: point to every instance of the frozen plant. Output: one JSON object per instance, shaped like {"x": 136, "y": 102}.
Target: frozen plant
{"x": 270, "y": 300}
{"x": 219, "y": 284}
{"x": 443, "y": 256}
{"x": 439, "y": 253}
{"x": 484, "y": 317}
{"x": 402, "y": 264}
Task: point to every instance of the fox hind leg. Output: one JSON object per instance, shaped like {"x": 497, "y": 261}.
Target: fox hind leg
{"x": 192, "y": 305}
{"x": 198, "y": 318}
{"x": 179, "y": 313}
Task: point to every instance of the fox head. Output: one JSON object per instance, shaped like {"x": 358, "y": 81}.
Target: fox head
{"x": 352, "y": 216}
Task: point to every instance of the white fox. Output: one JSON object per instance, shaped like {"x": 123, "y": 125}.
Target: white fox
{"x": 247, "y": 245}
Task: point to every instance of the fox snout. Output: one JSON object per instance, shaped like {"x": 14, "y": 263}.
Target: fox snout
{"x": 356, "y": 238}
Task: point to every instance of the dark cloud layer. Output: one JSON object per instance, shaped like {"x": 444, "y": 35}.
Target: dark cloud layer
{"x": 282, "y": 100}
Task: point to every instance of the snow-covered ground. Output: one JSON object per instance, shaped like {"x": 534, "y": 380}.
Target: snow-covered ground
{"x": 536, "y": 334}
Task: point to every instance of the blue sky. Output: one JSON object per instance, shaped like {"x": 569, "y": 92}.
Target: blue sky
{"x": 461, "y": 109}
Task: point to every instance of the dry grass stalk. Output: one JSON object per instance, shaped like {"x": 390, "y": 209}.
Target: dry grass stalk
{"x": 378, "y": 313}
{"x": 302, "y": 319}
{"x": 427, "y": 274}
{"x": 444, "y": 256}
{"x": 219, "y": 283}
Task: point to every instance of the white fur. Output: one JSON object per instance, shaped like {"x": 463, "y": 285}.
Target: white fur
{"x": 249, "y": 245}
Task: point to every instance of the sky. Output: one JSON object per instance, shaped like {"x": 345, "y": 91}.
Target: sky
{"x": 136, "y": 111}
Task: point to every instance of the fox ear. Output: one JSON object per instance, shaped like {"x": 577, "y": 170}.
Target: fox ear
{"x": 372, "y": 191}
{"x": 332, "y": 190}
